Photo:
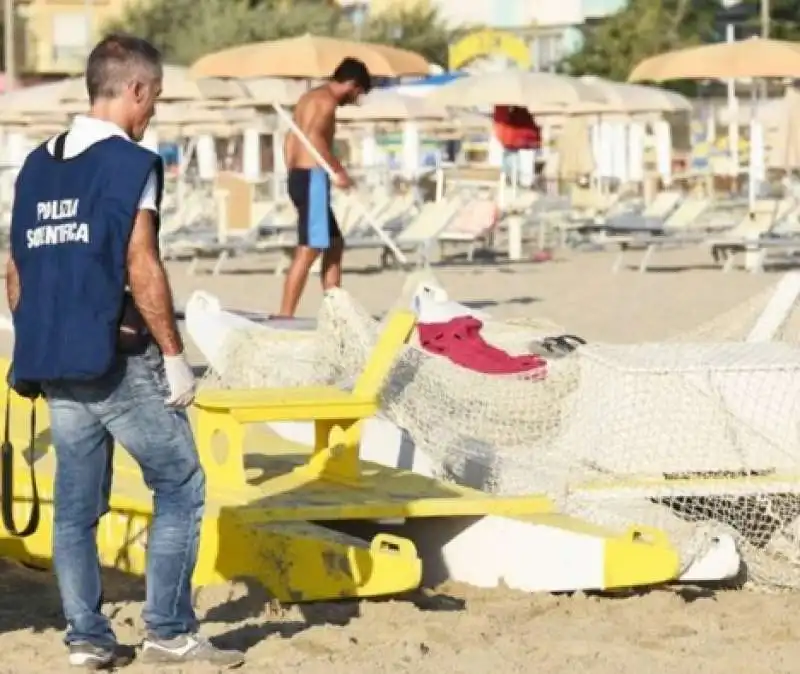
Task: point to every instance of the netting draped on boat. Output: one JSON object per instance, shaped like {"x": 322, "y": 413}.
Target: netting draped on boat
{"x": 696, "y": 436}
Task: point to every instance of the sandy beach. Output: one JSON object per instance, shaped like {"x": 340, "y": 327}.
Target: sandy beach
{"x": 454, "y": 628}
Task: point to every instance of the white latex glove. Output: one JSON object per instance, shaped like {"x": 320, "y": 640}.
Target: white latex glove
{"x": 180, "y": 379}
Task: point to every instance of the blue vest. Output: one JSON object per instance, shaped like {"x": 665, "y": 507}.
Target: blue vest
{"x": 70, "y": 226}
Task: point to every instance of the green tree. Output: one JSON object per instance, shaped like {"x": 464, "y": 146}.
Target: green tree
{"x": 644, "y": 28}
{"x": 184, "y": 30}
{"x": 419, "y": 29}
{"x": 784, "y": 18}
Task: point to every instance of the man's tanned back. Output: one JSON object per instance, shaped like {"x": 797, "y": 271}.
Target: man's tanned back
{"x": 315, "y": 116}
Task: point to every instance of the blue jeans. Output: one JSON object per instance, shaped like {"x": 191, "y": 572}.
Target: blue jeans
{"x": 126, "y": 405}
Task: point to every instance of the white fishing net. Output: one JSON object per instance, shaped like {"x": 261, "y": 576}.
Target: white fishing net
{"x": 696, "y": 436}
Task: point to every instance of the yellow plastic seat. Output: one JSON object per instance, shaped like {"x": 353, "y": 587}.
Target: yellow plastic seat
{"x": 336, "y": 414}
{"x": 306, "y": 402}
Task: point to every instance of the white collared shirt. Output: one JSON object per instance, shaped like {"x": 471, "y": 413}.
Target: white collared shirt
{"x": 85, "y": 132}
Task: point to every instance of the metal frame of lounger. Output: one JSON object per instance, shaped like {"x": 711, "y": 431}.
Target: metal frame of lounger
{"x": 734, "y": 236}
{"x": 764, "y": 246}
{"x": 409, "y": 239}
{"x": 250, "y": 240}
{"x": 471, "y": 238}
{"x": 784, "y": 236}
{"x": 224, "y": 244}
{"x": 657, "y": 212}
{"x": 750, "y": 234}
{"x": 567, "y": 221}
{"x": 677, "y": 230}
{"x": 652, "y": 218}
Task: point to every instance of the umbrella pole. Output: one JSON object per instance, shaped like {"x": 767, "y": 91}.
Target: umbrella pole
{"x": 751, "y": 253}
{"x": 391, "y": 245}
{"x": 751, "y": 177}
{"x": 185, "y": 153}
{"x": 733, "y": 116}
{"x": 514, "y": 174}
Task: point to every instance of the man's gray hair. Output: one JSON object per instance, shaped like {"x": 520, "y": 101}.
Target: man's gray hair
{"x": 117, "y": 60}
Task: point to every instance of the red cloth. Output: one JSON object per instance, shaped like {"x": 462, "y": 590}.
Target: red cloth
{"x": 516, "y": 129}
{"x": 460, "y": 341}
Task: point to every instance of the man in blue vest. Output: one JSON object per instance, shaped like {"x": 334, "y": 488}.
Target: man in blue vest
{"x": 95, "y": 329}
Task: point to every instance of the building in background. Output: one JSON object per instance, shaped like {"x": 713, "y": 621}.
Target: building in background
{"x": 528, "y": 34}
{"x": 53, "y": 37}
{"x": 595, "y": 9}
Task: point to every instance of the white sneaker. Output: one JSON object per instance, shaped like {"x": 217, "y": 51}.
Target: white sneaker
{"x": 188, "y": 648}
{"x": 89, "y": 656}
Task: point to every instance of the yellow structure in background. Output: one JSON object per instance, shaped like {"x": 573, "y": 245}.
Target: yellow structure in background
{"x": 55, "y": 36}
{"x": 488, "y": 43}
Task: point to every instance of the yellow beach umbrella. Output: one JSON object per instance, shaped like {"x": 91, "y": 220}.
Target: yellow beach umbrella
{"x": 307, "y": 56}
{"x": 752, "y": 58}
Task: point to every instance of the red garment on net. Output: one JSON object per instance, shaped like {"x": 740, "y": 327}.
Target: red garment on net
{"x": 460, "y": 341}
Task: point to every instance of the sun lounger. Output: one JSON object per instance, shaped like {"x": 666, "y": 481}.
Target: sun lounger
{"x": 747, "y": 235}
{"x": 724, "y": 245}
{"x": 679, "y": 224}
{"x": 472, "y": 224}
{"x": 651, "y": 218}
{"x": 422, "y": 232}
{"x": 586, "y": 215}
{"x": 238, "y": 226}
{"x": 783, "y": 237}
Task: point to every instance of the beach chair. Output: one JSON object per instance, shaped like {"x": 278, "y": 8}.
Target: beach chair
{"x": 586, "y": 213}
{"x": 474, "y": 223}
{"x": 351, "y": 218}
{"x": 423, "y": 230}
{"x": 389, "y": 215}
{"x": 677, "y": 227}
{"x": 651, "y": 217}
{"x": 281, "y": 221}
{"x": 188, "y": 209}
{"x": 723, "y": 239}
{"x": 579, "y": 204}
{"x": 243, "y": 214}
{"x": 197, "y": 212}
{"x": 783, "y": 237}
{"x": 390, "y": 220}
{"x": 523, "y": 202}
{"x": 748, "y": 235}
{"x": 238, "y": 225}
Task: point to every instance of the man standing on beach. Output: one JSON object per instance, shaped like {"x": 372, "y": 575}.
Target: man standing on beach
{"x": 109, "y": 360}
{"x": 309, "y": 183}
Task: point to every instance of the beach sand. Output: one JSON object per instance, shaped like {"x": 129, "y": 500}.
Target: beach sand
{"x": 458, "y": 629}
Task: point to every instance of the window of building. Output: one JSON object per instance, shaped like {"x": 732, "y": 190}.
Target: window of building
{"x": 70, "y": 37}
{"x": 547, "y": 51}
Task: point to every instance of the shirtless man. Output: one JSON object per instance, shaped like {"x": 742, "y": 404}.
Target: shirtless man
{"x": 309, "y": 183}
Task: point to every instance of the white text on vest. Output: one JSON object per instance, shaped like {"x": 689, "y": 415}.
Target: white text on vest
{"x": 55, "y": 234}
